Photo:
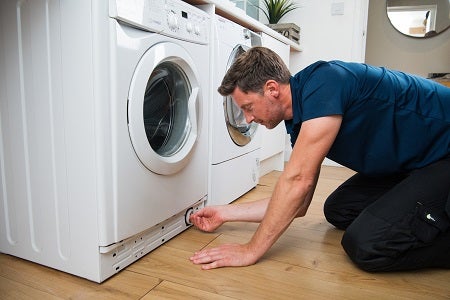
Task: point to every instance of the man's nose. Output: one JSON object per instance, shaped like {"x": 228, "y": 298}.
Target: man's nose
{"x": 248, "y": 117}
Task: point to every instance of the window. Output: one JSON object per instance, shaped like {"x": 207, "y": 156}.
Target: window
{"x": 249, "y": 6}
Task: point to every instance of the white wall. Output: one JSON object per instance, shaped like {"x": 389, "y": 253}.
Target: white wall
{"x": 387, "y": 47}
{"x": 324, "y": 36}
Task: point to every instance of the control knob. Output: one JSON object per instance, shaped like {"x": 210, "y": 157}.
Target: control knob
{"x": 189, "y": 27}
{"x": 197, "y": 29}
{"x": 172, "y": 20}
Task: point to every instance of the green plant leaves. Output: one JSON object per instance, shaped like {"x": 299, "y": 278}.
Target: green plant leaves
{"x": 276, "y": 9}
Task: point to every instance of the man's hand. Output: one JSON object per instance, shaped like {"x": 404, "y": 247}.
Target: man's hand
{"x": 227, "y": 255}
{"x": 211, "y": 217}
{"x": 207, "y": 219}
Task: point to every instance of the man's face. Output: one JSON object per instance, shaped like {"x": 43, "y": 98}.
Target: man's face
{"x": 262, "y": 109}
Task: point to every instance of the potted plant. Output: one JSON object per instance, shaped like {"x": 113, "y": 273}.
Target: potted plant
{"x": 274, "y": 10}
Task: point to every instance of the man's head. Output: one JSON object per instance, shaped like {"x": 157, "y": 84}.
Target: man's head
{"x": 252, "y": 70}
{"x": 258, "y": 82}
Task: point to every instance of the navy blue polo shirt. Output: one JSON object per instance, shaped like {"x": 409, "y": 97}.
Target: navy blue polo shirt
{"x": 391, "y": 122}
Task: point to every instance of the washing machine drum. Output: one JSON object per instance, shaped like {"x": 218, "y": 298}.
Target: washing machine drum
{"x": 163, "y": 109}
{"x": 165, "y": 113}
{"x": 240, "y": 131}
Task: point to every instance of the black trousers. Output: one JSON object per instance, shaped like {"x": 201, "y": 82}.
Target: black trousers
{"x": 395, "y": 223}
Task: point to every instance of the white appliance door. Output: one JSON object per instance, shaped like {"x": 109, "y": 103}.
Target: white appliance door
{"x": 240, "y": 131}
{"x": 162, "y": 108}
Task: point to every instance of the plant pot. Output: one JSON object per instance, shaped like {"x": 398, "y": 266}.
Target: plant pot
{"x": 289, "y": 30}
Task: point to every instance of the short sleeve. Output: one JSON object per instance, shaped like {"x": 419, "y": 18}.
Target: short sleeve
{"x": 326, "y": 92}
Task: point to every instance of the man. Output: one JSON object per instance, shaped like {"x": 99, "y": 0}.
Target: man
{"x": 393, "y": 129}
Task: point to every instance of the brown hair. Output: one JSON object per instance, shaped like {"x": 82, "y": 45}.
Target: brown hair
{"x": 251, "y": 71}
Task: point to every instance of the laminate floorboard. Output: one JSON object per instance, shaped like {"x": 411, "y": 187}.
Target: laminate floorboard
{"x": 307, "y": 262}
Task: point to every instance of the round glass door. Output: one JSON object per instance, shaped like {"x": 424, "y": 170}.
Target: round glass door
{"x": 163, "y": 110}
{"x": 240, "y": 131}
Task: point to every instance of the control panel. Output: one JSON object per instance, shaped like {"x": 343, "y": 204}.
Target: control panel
{"x": 173, "y": 18}
{"x": 186, "y": 21}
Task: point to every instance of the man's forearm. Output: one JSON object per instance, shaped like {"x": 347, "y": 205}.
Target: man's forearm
{"x": 245, "y": 212}
{"x": 289, "y": 198}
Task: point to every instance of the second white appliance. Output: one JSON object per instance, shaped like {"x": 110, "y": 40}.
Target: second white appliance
{"x": 235, "y": 144}
{"x": 274, "y": 141}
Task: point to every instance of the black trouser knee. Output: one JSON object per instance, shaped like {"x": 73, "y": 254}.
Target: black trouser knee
{"x": 354, "y": 195}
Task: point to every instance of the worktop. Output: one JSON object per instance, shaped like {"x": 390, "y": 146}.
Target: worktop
{"x": 228, "y": 10}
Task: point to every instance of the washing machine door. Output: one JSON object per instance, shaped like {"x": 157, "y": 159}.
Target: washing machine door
{"x": 163, "y": 108}
{"x": 240, "y": 131}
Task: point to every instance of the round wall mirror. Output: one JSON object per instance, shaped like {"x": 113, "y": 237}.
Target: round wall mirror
{"x": 419, "y": 18}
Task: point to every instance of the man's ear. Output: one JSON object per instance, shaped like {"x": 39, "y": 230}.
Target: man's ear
{"x": 272, "y": 87}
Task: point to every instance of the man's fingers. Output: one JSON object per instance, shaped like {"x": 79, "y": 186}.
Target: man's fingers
{"x": 212, "y": 258}
{"x": 210, "y": 266}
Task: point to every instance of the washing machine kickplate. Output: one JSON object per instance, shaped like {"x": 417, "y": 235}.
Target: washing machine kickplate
{"x": 117, "y": 256}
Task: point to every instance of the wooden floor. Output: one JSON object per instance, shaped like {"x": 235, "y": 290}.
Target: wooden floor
{"x": 306, "y": 263}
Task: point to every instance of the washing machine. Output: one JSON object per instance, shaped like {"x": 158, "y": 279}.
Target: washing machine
{"x": 104, "y": 129}
{"x": 234, "y": 144}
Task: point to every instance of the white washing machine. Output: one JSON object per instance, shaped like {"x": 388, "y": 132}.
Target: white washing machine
{"x": 235, "y": 144}
{"x": 104, "y": 129}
